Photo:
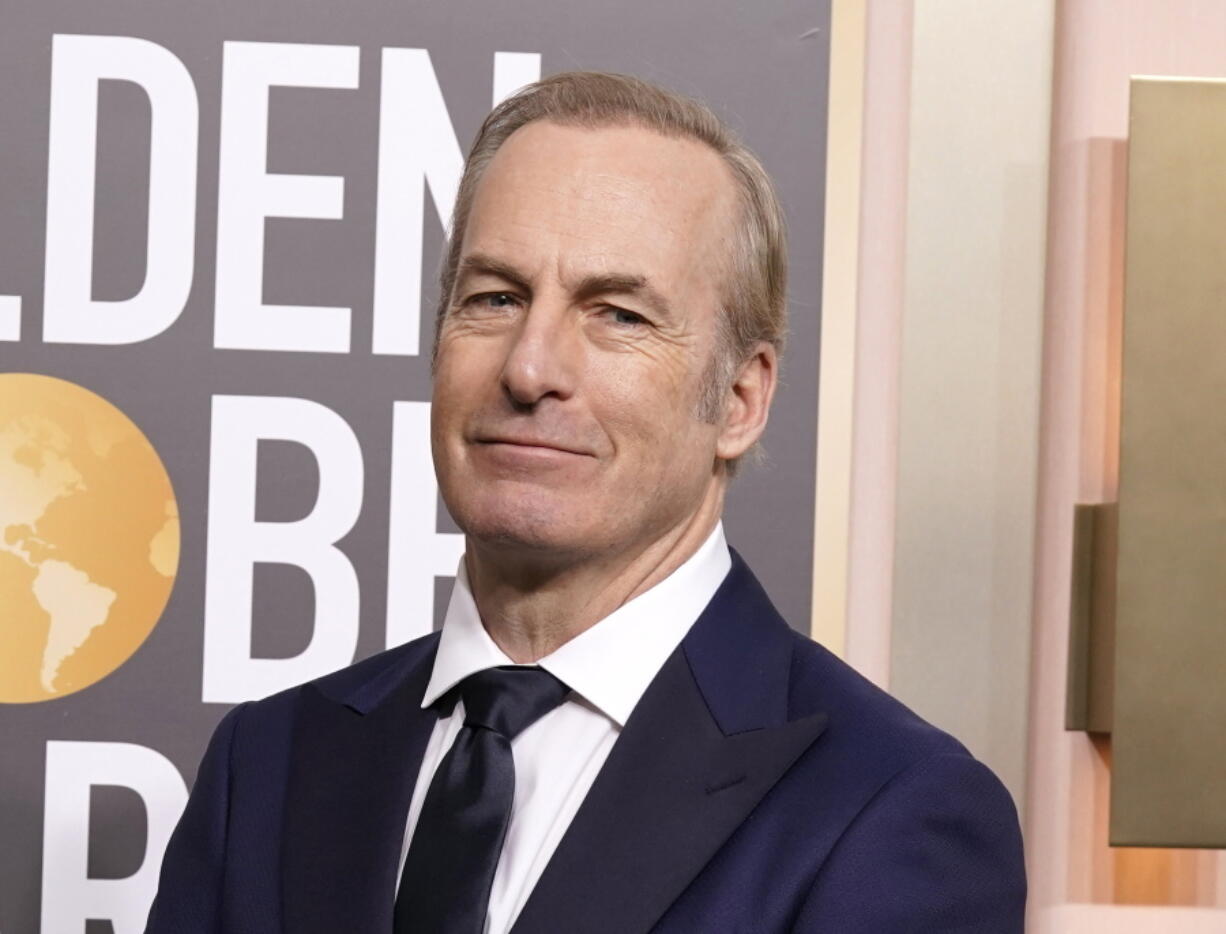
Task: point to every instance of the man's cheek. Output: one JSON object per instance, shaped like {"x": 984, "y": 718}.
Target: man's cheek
{"x": 469, "y": 363}
{"x": 455, "y": 382}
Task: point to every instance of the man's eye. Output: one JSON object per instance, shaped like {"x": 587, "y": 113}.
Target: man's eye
{"x": 626, "y": 318}
{"x": 494, "y": 300}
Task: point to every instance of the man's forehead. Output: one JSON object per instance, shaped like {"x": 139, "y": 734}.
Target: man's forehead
{"x": 620, "y": 150}
{"x": 607, "y": 190}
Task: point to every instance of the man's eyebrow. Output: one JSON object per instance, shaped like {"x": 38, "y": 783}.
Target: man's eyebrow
{"x": 479, "y": 264}
{"x": 616, "y": 283}
{"x": 622, "y": 283}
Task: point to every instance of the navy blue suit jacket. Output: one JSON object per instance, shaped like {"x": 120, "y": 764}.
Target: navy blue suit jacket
{"x": 759, "y": 786}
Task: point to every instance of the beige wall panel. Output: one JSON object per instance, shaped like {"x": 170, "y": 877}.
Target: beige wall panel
{"x": 970, "y": 371}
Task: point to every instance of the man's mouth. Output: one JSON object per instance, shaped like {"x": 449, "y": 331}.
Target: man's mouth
{"x": 529, "y": 444}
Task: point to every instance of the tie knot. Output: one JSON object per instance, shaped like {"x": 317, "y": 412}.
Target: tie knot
{"x": 508, "y": 700}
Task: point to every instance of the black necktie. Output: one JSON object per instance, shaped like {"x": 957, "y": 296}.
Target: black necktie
{"x": 445, "y": 886}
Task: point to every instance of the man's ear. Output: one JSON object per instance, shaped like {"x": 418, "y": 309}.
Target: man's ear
{"x": 747, "y": 404}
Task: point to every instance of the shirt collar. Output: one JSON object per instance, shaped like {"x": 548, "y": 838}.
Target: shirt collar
{"x": 610, "y": 664}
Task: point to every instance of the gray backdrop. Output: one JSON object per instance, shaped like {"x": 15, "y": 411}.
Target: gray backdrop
{"x": 762, "y": 66}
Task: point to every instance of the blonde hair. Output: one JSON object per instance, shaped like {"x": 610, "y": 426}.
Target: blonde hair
{"x": 754, "y": 306}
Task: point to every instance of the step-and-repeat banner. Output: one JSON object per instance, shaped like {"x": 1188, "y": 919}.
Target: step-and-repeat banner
{"x": 220, "y": 225}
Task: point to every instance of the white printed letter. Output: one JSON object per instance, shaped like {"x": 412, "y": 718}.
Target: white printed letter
{"x": 10, "y": 317}
{"x": 418, "y": 150}
{"x": 78, "y": 64}
{"x": 70, "y": 897}
{"x": 237, "y": 542}
{"x": 247, "y": 194}
{"x": 416, "y": 553}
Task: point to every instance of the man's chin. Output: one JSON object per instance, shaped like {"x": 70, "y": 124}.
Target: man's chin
{"x": 541, "y": 536}
{"x": 520, "y": 536}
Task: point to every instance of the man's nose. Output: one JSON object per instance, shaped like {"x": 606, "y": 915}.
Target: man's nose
{"x": 545, "y": 353}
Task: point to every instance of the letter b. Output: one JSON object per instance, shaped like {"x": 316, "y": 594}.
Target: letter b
{"x": 237, "y": 542}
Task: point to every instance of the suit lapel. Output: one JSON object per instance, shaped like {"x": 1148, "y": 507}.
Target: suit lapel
{"x": 709, "y": 738}
{"x": 354, "y": 764}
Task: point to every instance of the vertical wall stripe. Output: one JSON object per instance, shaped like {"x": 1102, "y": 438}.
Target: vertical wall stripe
{"x": 838, "y": 340}
{"x": 970, "y": 372}
{"x": 881, "y": 293}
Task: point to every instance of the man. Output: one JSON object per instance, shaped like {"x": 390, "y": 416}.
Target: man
{"x": 615, "y": 731}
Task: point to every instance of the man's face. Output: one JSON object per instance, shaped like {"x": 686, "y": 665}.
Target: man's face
{"x": 571, "y": 359}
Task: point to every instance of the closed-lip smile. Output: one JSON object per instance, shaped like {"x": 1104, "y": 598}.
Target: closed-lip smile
{"x": 532, "y": 443}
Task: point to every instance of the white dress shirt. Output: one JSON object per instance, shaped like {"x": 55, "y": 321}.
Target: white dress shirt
{"x": 607, "y": 667}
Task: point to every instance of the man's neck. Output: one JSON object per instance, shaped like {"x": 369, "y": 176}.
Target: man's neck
{"x": 530, "y": 610}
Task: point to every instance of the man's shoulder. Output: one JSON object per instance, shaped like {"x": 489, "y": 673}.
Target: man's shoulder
{"x": 365, "y": 679}
{"x": 870, "y": 732}
{"x": 361, "y": 684}
{"x": 749, "y": 661}
{"x": 902, "y": 808}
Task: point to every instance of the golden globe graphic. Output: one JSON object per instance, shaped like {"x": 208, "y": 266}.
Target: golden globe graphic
{"x": 89, "y": 537}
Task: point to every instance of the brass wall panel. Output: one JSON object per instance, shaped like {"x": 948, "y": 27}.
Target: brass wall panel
{"x": 1168, "y": 782}
{"x": 1091, "y": 652}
